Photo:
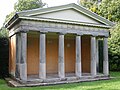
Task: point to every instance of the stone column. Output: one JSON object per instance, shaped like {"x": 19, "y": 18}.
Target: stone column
{"x": 93, "y": 56}
{"x": 105, "y": 56}
{"x": 18, "y": 54}
{"x": 78, "y": 57}
{"x": 97, "y": 56}
{"x": 42, "y": 67}
{"x": 23, "y": 58}
{"x": 61, "y": 67}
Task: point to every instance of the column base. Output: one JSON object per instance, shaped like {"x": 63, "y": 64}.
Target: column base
{"x": 23, "y": 72}
{"x": 17, "y": 71}
{"x": 105, "y": 68}
{"x": 78, "y": 70}
{"x": 61, "y": 71}
{"x": 42, "y": 72}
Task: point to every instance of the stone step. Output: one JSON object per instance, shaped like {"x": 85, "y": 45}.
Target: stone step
{"x": 14, "y": 83}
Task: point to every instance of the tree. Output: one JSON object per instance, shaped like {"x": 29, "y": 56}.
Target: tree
{"x": 114, "y": 48}
{"x": 3, "y": 32}
{"x": 28, "y": 4}
{"x": 110, "y": 9}
{"x": 114, "y": 40}
{"x": 90, "y": 4}
{"x": 8, "y": 17}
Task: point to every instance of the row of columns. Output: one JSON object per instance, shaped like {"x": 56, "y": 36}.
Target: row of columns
{"x": 61, "y": 66}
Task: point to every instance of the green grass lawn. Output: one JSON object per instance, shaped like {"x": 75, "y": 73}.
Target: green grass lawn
{"x": 113, "y": 84}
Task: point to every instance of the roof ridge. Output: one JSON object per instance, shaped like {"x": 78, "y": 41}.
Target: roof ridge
{"x": 44, "y": 8}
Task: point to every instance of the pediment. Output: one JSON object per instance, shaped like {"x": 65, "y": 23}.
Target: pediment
{"x": 69, "y": 15}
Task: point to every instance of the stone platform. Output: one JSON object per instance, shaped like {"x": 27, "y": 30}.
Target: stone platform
{"x": 53, "y": 79}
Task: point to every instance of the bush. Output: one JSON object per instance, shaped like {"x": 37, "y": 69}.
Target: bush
{"x": 3, "y": 33}
{"x": 114, "y": 48}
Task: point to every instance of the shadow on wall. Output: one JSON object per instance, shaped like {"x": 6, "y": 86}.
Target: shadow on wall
{"x": 4, "y": 57}
{"x": 100, "y": 56}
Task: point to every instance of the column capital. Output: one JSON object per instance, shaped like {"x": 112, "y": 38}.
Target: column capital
{"x": 94, "y": 35}
{"x": 43, "y": 32}
{"x": 62, "y": 33}
{"x": 105, "y": 37}
{"x": 23, "y": 31}
{"x": 79, "y": 34}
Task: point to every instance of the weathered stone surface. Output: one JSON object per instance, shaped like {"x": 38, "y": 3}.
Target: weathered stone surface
{"x": 78, "y": 57}
{"x": 105, "y": 55}
{"x": 54, "y": 81}
{"x": 26, "y": 26}
{"x": 23, "y": 72}
{"x": 93, "y": 56}
{"x": 23, "y": 65}
{"x": 42, "y": 65}
{"x": 42, "y": 72}
{"x": 61, "y": 66}
{"x": 23, "y": 48}
{"x": 97, "y": 55}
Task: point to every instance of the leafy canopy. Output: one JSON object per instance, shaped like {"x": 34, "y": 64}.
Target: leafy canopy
{"x": 90, "y": 4}
{"x": 3, "y": 32}
{"x": 114, "y": 40}
{"x": 114, "y": 48}
{"x": 28, "y": 4}
{"x": 110, "y": 9}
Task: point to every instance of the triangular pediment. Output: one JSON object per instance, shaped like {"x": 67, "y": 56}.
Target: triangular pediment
{"x": 69, "y": 15}
{"x": 72, "y": 13}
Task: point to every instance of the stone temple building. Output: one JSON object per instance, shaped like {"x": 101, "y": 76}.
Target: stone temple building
{"x": 57, "y": 44}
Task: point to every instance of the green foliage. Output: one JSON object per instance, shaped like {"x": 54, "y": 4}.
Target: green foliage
{"x": 28, "y": 4}
{"x": 3, "y": 32}
{"x": 114, "y": 40}
{"x": 114, "y": 48}
{"x": 90, "y": 4}
{"x": 110, "y": 9}
{"x": 9, "y": 16}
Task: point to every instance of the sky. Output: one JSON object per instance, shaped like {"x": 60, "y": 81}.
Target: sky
{"x": 7, "y": 6}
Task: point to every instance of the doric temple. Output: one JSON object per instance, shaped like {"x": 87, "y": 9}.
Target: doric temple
{"x": 58, "y": 44}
